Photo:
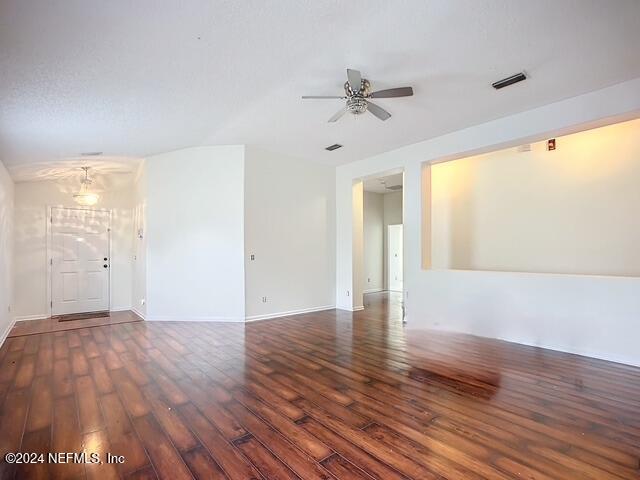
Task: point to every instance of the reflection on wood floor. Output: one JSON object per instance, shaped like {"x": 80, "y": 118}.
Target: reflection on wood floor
{"x": 322, "y": 395}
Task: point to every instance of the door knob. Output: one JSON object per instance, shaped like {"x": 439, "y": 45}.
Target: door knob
{"x": 105, "y": 265}
{"x": 105, "y": 259}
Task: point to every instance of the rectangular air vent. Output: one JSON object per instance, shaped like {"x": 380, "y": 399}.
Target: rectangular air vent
{"x": 333, "y": 147}
{"x": 394, "y": 187}
{"x": 505, "y": 82}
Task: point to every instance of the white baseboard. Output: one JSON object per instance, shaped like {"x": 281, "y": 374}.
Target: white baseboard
{"x": 351, "y": 309}
{"x": 138, "y": 313}
{"x": 6, "y": 332}
{"x": 120, "y": 309}
{"x": 25, "y": 318}
{"x": 373, "y": 290}
{"x": 609, "y": 357}
{"x": 266, "y": 316}
{"x": 177, "y": 318}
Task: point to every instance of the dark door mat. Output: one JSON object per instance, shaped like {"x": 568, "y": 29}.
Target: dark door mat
{"x": 79, "y": 316}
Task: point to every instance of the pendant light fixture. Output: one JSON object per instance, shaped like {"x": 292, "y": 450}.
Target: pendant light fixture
{"x": 84, "y": 196}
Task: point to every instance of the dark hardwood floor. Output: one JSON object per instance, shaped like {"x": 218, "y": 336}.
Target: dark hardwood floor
{"x": 322, "y": 395}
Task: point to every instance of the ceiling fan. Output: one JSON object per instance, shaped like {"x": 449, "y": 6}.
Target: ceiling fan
{"x": 358, "y": 94}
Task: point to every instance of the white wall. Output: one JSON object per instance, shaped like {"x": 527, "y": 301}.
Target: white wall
{"x": 139, "y": 242}
{"x": 574, "y": 210}
{"x": 6, "y": 251}
{"x": 596, "y": 316}
{"x": 194, "y": 234}
{"x": 374, "y": 237}
{"x": 357, "y": 245}
{"x": 289, "y": 227}
{"x": 30, "y": 256}
{"x": 392, "y": 216}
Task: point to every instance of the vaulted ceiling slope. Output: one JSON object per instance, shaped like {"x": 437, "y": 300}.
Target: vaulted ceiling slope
{"x": 137, "y": 78}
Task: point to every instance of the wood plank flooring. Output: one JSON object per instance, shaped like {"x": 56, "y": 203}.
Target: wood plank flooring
{"x": 317, "y": 396}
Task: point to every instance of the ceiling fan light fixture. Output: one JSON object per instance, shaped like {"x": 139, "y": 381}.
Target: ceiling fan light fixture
{"x": 357, "y": 105}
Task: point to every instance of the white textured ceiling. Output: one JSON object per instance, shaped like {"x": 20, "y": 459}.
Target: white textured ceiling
{"x": 133, "y": 78}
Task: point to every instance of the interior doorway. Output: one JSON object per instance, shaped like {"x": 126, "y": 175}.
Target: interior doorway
{"x": 382, "y": 233}
{"x": 79, "y": 253}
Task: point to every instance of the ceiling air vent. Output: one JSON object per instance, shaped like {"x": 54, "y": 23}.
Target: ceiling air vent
{"x": 505, "y": 82}
{"x": 333, "y": 147}
{"x": 394, "y": 187}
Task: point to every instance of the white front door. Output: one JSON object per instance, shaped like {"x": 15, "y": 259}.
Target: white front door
{"x": 79, "y": 260}
{"x": 394, "y": 261}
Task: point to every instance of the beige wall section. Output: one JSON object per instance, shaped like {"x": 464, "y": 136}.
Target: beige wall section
{"x": 392, "y": 216}
{"x": 425, "y": 233}
{"x": 573, "y": 210}
{"x": 374, "y": 235}
{"x": 290, "y": 228}
{"x": 194, "y": 217}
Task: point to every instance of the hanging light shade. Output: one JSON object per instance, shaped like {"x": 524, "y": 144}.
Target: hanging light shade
{"x": 85, "y": 196}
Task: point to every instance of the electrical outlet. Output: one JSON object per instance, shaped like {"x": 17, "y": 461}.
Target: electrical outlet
{"x": 252, "y": 257}
{"x": 142, "y": 302}
{"x": 347, "y": 293}
{"x": 264, "y": 299}
{"x": 368, "y": 280}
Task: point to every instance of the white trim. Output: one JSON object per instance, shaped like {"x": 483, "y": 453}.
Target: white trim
{"x": 351, "y": 309}
{"x": 180, "y": 318}
{"x": 49, "y": 233}
{"x": 373, "y": 290}
{"x": 7, "y": 331}
{"x": 120, "y": 309}
{"x": 138, "y": 313}
{"x": 26, "y": 318}
{"x": 568, "y": 349}
{"x": 266, "y": 316}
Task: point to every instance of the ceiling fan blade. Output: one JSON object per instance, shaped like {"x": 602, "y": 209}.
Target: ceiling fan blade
{"x": 355, "y": 79}
{"x": 338, "y": 114}
{"x": 379, "y": 112}
{"x": 304, "y": 97}
{"x": 393, "y": 92}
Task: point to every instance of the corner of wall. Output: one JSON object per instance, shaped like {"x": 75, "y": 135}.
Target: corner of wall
{"x": 7, "y": 213}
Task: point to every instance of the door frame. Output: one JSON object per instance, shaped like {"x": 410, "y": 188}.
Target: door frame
{"x": 388, "y": 259}
{"x": 49, "y": 259}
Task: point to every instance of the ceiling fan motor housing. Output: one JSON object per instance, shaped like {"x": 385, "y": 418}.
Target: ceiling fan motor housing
{"x": 356, "y": 101}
